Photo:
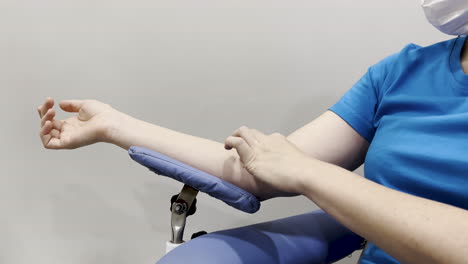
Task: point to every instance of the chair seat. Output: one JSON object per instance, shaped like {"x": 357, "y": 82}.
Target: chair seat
{"x": 303, "y": 239}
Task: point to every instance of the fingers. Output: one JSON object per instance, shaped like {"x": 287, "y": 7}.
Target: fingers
{"x": 72, "y": 106}
{"x": 243, "y": 149}
{"x": 49, "y": 133}
{"x": 244, "y": 141}
{"x": 58, "y": 124}
{"x": 42, "y": 109}
{"x": 50, "y": 128}
{"x": 251, "y": 136}
{"x": 46, "y": 128}
{"x": 246, "y": 133}
{"x": 44, "y": 134}
{"x": 54, "y": 143}
{"x": 55, "y": 133}
{"x": 49, "y": 115}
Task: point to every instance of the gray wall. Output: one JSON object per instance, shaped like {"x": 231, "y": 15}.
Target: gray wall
{"x": 200, "y": 67}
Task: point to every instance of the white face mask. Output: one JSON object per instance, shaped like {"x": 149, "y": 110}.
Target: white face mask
{"x": 448, "y": 16}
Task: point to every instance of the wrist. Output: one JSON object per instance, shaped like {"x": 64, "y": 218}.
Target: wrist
{"x": 306, "y": 175}
{"x": 113, "y": 127}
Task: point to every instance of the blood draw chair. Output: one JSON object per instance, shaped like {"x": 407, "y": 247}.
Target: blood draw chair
{"x": 309, "y": 238}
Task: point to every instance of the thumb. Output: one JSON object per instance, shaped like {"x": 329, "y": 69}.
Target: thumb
{"x": 71, "y": 105}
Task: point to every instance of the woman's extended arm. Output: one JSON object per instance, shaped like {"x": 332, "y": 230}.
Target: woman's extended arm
{"x": 326, "y": 138}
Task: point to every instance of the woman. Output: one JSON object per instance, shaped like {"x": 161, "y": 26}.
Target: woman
{"x": 407, "y": 118}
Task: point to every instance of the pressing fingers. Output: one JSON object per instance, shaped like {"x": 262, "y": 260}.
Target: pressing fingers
{"x": 246, "y": 133}
{"x": 242, "y": 148}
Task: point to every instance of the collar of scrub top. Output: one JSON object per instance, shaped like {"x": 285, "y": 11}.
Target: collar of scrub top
{"x": 197, "y": 179}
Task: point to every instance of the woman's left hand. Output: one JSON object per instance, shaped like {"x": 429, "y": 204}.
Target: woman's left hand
{"x": 271, "y": 158}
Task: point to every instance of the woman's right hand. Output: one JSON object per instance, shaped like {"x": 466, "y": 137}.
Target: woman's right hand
{"x": 89, "y": 126}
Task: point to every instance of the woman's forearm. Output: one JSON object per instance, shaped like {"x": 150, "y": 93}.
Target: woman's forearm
{"x": 204, "y": 154}
{"x": 410, "y": 228}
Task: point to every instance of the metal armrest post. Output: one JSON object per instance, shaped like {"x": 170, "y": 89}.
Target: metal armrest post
{"x": 179, "y": 210}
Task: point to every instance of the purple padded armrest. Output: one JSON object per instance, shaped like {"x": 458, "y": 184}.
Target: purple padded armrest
{"x": 202, "y": 181}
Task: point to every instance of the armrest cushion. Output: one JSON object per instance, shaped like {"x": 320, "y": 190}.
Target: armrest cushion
{"x": 202, "y": 181}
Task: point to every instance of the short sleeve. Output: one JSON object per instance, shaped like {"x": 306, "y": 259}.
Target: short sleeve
{"x": 359, "y": 104}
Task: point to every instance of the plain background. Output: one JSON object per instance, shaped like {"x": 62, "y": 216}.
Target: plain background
{"x": 200, "y": 67}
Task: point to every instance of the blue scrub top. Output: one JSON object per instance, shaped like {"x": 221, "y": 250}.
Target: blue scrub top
{"x": 413, "y": 109}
